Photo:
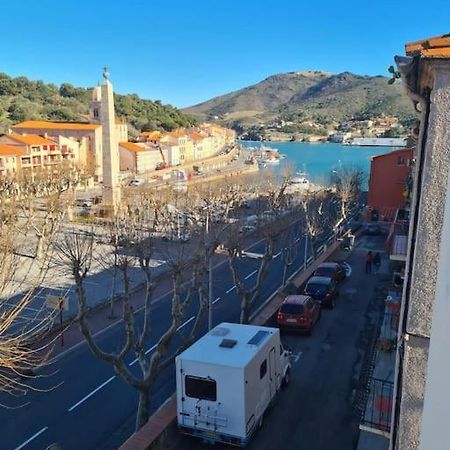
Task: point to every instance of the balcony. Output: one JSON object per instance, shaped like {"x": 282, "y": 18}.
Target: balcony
{"x": 378, "y": 412}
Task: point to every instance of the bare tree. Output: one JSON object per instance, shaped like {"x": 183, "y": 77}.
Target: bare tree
{"x": 186, "y": 270}
{"x": 269, "y": 204}
{"x": 22, "y": 321}
{"x": 348, "y": 182}
{"x": 314, "y": 221}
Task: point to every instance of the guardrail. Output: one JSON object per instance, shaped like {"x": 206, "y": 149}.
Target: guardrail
{"x": 377, "y": 413}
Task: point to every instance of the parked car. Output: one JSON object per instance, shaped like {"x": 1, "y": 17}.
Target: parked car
{"x": 298, "y": 312}
{"x": 84, "y": 203}
{"x": 332, "y": 270}
{"x": 323, "y": 290}
{"x": 136, "y": 182}
{"x": 373, "y": 229}
{"x": 247, "y": 229}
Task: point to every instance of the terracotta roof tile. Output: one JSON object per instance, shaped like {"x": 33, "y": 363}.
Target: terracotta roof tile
{"x": 132, "y": 147}
{"x": 434, "y": 47}
{"x": 46, "y": 125}
{"x": 30, "y": 139}
{"x": 11, "y": 150}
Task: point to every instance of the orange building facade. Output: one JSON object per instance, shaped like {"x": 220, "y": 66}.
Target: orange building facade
{"x": 388, "y": 184}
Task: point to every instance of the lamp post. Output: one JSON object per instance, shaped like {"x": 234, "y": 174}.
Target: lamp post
{"x": 210, "y": 318}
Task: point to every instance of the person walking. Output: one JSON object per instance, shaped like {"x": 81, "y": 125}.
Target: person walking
{"x": 369, "y": 260}
{"x": 377, "y": 262}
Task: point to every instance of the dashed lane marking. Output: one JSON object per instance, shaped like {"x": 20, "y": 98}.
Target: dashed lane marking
{"x": 250, "y": 274}
{"x": 231, "y": 289}
{"x": 91, "y": 393}
{"x": 216, "y": 300}
{"x": 31, "y": 438}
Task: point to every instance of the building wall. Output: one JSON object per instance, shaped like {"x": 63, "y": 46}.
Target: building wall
{"x": 147, "y": 160}
{"x": 127, "y": 160}
{"x": 425, "y": 311}
{"x": 387, "y": 182}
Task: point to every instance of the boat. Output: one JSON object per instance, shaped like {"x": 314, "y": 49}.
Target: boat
{"x": 300, "y": 181}
{"x": 271, "y": 160}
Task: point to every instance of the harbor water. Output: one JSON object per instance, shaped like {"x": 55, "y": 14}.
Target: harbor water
{"x": 319, "y": 160}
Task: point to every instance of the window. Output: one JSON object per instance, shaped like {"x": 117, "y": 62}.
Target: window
{"x": 291, "y": 308}
{"x": 201, "y": 388}
{"x": 401, "y": 161}
{"x": 263, "y": 369}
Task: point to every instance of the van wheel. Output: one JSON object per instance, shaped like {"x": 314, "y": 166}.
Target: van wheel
{"x": 286, "y": 379}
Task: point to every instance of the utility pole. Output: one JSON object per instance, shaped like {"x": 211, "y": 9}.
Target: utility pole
{"x": 306, "y": 252}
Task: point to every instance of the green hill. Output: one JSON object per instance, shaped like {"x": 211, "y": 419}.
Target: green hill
{"x": 22, "y": 99}
{"x": 312, "y": 95}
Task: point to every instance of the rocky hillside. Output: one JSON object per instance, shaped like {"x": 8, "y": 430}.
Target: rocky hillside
{"x": 23, "y": 99}
{"x": 316, "y": 95}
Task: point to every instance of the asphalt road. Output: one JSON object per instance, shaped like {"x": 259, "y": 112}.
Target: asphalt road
{"x": 87, "y": 403}
{"x": 315, "y": 411}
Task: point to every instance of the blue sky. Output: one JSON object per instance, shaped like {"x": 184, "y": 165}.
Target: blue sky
{"x": 184, "y": 52}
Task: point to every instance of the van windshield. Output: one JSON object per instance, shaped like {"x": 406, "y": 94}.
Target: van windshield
{"x": 289, "y": 308}
{"x": 201, "y": 388}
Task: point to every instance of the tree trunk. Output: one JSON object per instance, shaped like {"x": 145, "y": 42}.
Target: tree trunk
{"x": 113, "y": 292}
{"x": 245, "y": 309}
{"x": 39, "y": 246}
{"x": 142, "y": 415}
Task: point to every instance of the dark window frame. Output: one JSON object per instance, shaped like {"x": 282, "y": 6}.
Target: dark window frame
{"x": 263, "y": 369}
{"x": 192, "y": 388}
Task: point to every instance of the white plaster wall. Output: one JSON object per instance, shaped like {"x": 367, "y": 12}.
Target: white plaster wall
{"x": 436, "y": 413}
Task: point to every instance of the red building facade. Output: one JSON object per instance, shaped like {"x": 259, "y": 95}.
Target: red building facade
{"x": 387, "y": 184}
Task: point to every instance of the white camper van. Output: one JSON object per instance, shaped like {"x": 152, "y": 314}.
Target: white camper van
{"x": 227, "y": 379}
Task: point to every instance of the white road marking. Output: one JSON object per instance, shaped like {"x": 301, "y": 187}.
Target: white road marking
{"x": 31, "y": 438}
{"x": 277, "y": 255}
{"x": 91, "y": 393}
{"x": 296, "y": 356}
{"x": 185, "y": 323}
{"x": 216, "y": 300}
{"x": 132, "y": 363}
{"x": 251, "y": 255}
{"x": 250, "y": 274}
{"x": 231, "y": 289}
{"x": 297, "y": 239}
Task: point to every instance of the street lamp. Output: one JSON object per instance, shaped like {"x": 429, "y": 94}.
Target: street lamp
{"x": 210, "y": 318}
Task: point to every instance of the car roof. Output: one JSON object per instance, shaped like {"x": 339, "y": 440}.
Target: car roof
{"x": 320, "y": 280}
{"x": 330, "y": 265}
{"x": 296, "y": 299}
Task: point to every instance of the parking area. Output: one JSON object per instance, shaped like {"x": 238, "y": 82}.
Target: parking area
{"x": 316, "y": 410}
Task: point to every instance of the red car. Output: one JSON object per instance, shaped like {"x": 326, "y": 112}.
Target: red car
{"x": 298, "y": 312}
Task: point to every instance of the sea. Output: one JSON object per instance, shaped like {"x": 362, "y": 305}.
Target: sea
{"x": 319, "y": 160}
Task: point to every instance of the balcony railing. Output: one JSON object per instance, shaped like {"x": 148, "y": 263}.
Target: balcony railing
{"x": 378, "y": 411}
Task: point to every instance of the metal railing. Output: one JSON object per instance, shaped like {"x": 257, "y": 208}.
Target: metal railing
{"x": 378, "y": 410}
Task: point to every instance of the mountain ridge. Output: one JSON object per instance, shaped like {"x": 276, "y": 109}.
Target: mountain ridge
{"x": 311, "y": 95}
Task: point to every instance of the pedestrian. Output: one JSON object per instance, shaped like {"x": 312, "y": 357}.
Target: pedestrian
{"x": 369, "y": 260}
{"x": 377, "y": 261}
